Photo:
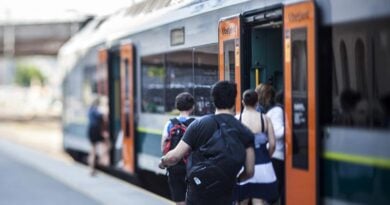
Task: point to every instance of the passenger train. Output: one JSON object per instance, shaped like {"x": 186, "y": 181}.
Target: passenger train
{"x": 330, "y": 57}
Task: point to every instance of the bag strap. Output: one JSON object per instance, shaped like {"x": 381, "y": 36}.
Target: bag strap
{"x": 175, "y": 121}
{"x": 262, "y": 123}
{"x": 214, "y": 117}
{"x": 188, "y": 121}
{"x": 219, "y": 121}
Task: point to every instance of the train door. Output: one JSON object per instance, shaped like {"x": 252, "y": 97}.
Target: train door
{"x": 253, "y": 56}
{"x": 115, "y": 104}
{"x": 229, "y": 53}
{"x": 127, "y": 106}
{"x": 300, "y": 104}
{"x": 263, "y": 48}
{"x": 263, "y": 64}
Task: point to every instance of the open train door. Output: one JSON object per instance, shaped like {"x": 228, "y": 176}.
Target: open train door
{"x": 229, "y": 53}
{"x": 300, "y": 104}
{"x": 127, "y": 106}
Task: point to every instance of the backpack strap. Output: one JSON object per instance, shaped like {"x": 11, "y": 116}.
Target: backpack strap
{"x": 188, "y": 121}
{"x": 175, "y": 121}
{"x": 262, "y": 122}
{"x": 217, "y": 121}
{"x": 220, "y": 121}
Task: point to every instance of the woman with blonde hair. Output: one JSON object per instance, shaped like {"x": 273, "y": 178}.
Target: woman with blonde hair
{"x": 262, "y": 187}
{"x": 272, "y": 105}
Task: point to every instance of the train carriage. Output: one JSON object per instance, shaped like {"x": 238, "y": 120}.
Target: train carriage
{"x": 331, "y": 59}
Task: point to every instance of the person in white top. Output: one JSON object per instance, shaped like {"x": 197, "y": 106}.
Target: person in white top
{"x": 272, "y": 106}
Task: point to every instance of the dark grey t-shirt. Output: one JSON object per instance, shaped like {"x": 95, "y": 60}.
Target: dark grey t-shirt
{"x": 197, "y": 134}
{"x": 200, "y": 131}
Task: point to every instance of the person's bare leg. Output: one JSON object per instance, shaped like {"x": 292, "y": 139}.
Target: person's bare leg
{"x": 181, "y": 203}
{"x": 257, "y": 201}
{"x": 106, "y": 153}
{"x": 92, "y": 160}
{"x": 244, "y": 202}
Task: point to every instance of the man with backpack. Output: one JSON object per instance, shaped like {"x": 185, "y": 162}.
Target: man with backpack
{"x": 220, "y": 146}
{"x": 173, "y": 132}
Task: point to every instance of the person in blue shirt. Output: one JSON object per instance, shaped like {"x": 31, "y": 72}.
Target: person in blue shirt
{"x": 96, "y": 132}
{"x": 184, "y": 102}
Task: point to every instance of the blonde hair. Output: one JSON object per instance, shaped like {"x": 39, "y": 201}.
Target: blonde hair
{"x": 266, "y": 94}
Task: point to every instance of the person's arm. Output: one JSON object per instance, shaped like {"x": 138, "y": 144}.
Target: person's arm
{"x": 164, "y": 136}
{"x": 184, "y": 146}
{"x": 249, "y": 166}
{"x": 276, "y": 116}
{"x": 271, "y": 136}
{"x": 175, "y": 155}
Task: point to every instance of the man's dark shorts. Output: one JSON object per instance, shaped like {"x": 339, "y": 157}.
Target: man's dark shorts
{"x": 177, "y": 185}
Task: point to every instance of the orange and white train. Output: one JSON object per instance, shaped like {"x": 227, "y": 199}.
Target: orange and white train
{"x": 330, "y": 57}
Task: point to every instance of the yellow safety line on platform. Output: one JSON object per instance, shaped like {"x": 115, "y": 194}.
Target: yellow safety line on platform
{"x": 358, "y": 159}
{"x": 150, "y": 131}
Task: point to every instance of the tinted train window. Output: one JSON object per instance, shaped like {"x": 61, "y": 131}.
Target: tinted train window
{"x": 344, "y": 65}
{"x": 153, "y": 76}
{"x": 165, "y": 76}
{"x": 206, "y": 74}
{"x": 381, "y": 72}
{"x": 90, "y": 84}
{"x": 299, "y": 98}
{"x": 360, "y": 64}
{"x": 179, "y": 76}
{"x": 366, "y": 102}
{"x": 229, "y": 60}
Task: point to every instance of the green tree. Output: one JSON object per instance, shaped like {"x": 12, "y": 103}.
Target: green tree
{"x": 25, "y": 74}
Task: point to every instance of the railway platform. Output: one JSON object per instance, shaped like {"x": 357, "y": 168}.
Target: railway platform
{"x": 32, "y": 177}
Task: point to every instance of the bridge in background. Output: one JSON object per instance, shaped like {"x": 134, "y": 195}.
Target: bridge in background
{"x": 26, "y": 39}
{"x": 18, "y": 40}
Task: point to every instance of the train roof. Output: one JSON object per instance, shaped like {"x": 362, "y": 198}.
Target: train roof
{"x": 146, "y": 15}
{"x": 96, "y": 31}
{"x": 139, "y": 17}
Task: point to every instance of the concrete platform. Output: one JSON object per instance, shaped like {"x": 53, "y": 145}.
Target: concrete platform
{"x": 32, "y": 177}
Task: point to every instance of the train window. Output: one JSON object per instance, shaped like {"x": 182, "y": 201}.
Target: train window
{"x": 179, "y": 76}
{"x": 360, "y": 67}
{"x": 229, "y": 60}
{"x": 335, "y": 83}
{"x": 166, "y": 75}
{"x": 206, "y": 74}
{"x": 153, "y": 76}
{"x": 381, "y": 72}
{"x": 127, "y": 98}
{"x": 90, "y": 84}
{"x": 115, "y": 92}
{"x": 367, "y": 104}
{"x": 299, "y": 98}
{"x": 344, "y": 65}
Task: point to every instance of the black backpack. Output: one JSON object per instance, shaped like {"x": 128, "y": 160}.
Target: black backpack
{"x": 212, "y": 170}
{"x": 176, "y": 133}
